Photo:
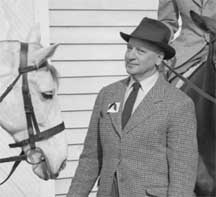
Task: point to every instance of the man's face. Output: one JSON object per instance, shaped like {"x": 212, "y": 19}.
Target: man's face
{"x": 141, "y": 58}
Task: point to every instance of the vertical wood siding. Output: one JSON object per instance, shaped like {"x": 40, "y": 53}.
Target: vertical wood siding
{"x": 91, "y": 55}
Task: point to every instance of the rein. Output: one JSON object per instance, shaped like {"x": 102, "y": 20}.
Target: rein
{"x": 191, "y": 84}
{"x": 34, "y": 132}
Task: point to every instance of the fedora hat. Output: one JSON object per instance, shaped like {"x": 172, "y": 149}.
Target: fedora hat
{"x": 155, "y": 32}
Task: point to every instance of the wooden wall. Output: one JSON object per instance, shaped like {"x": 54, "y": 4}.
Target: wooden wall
{"x": 91, "y": 55}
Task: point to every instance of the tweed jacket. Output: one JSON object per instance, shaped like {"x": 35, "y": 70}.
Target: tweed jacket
{"x": 191, "y": 39}
{"x": 154, "y": 155}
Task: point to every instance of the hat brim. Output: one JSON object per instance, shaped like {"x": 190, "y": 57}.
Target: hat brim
{"x": 169, "y": 51}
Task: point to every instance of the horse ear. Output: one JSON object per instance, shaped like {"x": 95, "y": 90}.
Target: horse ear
{"x": 41, "y": 55}
{"x": 34, "y": 34}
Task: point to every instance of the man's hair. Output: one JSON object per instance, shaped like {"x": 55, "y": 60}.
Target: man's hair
{"x": 153, "y": 47}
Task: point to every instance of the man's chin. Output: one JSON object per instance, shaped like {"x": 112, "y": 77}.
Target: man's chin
{"x": 131, "y": 68}
{"x": 131, "y": 71}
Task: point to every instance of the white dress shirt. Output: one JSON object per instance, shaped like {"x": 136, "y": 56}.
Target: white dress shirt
{"x": 146, "y": 86}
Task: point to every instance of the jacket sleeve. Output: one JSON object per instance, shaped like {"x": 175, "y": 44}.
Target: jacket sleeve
{"x": 168, "y": 13}
{"x": 182, "y": 150}
{"x": 91, "y": 157}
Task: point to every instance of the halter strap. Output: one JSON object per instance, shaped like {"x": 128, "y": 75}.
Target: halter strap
{"x": 17, "y": 160}
{"x": 22, "y": 156}
{"x": 29, "y": 111}
{"x": 192, "y": 85}
{"x": 9, "y": 88}
{"x": 22, "y": 70}
{"x": 41, "y": 136}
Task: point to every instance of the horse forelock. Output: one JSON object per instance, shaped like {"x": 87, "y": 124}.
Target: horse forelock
{"x": 53, "y": 71}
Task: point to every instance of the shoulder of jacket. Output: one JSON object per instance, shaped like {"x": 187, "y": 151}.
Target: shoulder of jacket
{"x": 115, "y": 85}
{"x": 177, "y": 96}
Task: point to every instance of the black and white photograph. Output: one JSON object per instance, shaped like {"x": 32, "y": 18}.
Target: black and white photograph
{"x": 107, "y": 98}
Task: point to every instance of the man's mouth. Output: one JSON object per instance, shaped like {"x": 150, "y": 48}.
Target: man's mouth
{"x": 131, "y": 64}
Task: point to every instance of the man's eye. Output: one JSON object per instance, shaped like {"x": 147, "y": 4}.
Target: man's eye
{"x": 47, "y": 95}
{"x": 140, "y": 51}
{"x": 129, "y": 48}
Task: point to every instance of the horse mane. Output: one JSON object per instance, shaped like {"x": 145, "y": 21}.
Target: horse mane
{"x": 52, "y": 70}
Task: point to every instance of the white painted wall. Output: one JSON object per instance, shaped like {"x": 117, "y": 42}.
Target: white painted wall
{"x": 91, "y": 55}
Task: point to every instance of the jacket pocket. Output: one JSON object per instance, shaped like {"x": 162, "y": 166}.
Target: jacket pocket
{"x": 150, "y": 194}
{"x": 156, "y": 192}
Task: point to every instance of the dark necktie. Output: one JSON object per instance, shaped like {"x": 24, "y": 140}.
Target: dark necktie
{"x": 129, "y": 104}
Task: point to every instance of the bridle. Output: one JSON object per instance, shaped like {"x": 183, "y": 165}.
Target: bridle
{"x": 191, "y": 84}
{"x": 211, "y": 57}
{"x": 34, "y": 132}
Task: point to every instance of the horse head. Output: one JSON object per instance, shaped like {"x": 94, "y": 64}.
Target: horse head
{"x": 49, "y": 152}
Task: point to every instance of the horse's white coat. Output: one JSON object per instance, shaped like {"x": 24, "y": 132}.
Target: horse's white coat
{"x": 16, "y": 19}
{"x": 47, "y": 111}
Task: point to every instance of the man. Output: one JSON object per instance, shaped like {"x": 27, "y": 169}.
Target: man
{"x": 141, "y": 139}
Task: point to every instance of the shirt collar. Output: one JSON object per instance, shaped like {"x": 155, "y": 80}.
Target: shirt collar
{"x": 145, "y": 83}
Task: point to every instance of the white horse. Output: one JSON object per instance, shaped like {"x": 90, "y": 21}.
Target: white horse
{"x": 43, "y": 84}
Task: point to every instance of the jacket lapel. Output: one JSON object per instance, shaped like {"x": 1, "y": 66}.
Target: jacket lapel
{"x": 148, "y": 106}
{"x": 119, "y": 97}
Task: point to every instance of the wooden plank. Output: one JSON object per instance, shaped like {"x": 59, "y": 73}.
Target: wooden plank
{"x": 69, "y": 170}
{"x": 92, "y": 194}
{"x": 95, "y": 34}
{"x": 74, "y": 152}
{"x": 62, "y": 186}
{"x": 98, "y": 18}
{"x": 77, "y": 102}
{"x": 85, "y": 85}
{"x": 76, "y": 136}
{"x": 103, "y": 4}
{"x": 92, "y": 68}
{"x": 90, "y": 52}
{"x": 78, "y": 119}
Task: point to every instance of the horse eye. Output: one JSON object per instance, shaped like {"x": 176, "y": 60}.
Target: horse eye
{"x": 47, "y": 95}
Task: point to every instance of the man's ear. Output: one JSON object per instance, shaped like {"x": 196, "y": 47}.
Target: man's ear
{"x": 160, "y": 58}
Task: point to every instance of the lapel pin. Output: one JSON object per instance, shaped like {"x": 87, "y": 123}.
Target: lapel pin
{"x": 113, "y": 107}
